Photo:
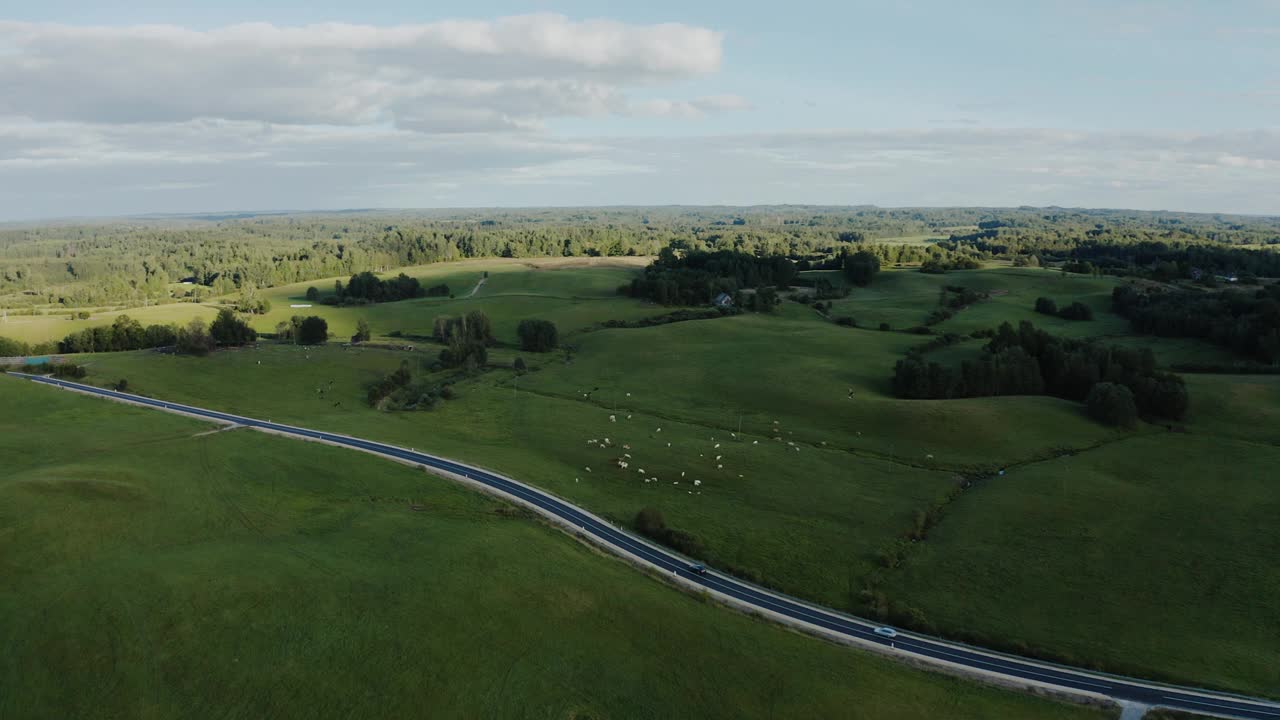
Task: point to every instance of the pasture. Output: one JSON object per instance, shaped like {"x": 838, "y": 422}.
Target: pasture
{"x": 154, "y": 570}
{"x": 820, "y": 468}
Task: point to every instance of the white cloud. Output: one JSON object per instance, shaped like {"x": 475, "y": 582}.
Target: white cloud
{"x": 453, "y": 75}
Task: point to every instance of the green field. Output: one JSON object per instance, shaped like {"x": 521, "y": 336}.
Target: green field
{"x": 152, "y": 569}
{"x": 44, "y": 328}
{"x": 813, "y": 517}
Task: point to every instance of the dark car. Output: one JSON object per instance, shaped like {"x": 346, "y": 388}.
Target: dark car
{"x": 698, "y": 569}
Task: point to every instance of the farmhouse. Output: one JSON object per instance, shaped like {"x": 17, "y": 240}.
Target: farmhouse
{"x": 723, "y": 300}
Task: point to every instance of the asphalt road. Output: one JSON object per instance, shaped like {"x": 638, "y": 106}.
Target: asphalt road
{"x": 778, "y": 606}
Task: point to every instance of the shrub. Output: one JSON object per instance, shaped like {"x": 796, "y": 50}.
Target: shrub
{"x": 313, "y": 294}
{"x": 1046, "y": 306}
{"x": 518, "y": 365}
{"x": 847, "y": 321}
{"x": 884, "y": 327}
{"x": 1112, "y": 404}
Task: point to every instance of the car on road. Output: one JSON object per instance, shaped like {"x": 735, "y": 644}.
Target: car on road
{"x": 698, "y": 569}
{"x": 886, "y": 632}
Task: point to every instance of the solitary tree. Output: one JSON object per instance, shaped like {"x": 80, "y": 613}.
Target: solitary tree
{"x": 313, "y": 294}
{"x": 313, "y": 331}
{"x": 362, "y": 331}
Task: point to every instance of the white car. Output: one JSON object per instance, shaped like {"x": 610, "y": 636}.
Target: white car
{"x": 887, "y": 632}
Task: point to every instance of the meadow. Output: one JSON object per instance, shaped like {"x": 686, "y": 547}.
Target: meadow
{"x": 774, "y": 440}
{"x": 152, "y": 567}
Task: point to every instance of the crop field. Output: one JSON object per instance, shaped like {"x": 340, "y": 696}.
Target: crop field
{"x": 774, "y": 440}
{"x": 155, "y": 569}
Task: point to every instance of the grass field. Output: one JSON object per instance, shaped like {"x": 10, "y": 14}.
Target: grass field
{"x": 42, "y": 328}
{"x": 1120, "y": 553}
{"x": 812, "y": 517}
{"x": 149, "y": 569}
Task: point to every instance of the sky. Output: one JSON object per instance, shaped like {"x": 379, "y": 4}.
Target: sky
{"x": 148, "y": 106}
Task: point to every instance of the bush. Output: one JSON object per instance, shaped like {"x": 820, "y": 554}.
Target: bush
{"x": 1046, "y": 306}
{"x": 518, "y": 365}
{"x": 313, "y": 294}
{"x": 538, "y": 335}
{"x": 1112, "y": 404}
{"x": 884, "y": 327}
{"x": 847, "y": 321}
{"x": 121, "y": 385}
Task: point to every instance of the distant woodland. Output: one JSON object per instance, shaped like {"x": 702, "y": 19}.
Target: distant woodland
{"x": 130, "y": 262}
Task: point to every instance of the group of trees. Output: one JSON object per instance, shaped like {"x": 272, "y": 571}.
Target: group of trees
{"x": 861, "y": 267}
{"x": 467, "y": 339}
{"x": 697, "y": 277}
{"x": 124, "y": 333}
{"x": 1075, "y": 311}
{"x": 368, "y": 287}
{"x": 309, "y": 330}
{"x": 538, "y": 336}
{"x": 939, "y": 265}
{"x": 1247, "y": 322}
{"x": 1029, "y": 361}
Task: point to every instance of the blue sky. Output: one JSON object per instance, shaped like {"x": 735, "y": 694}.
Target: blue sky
{"x": 1122, "y": 104}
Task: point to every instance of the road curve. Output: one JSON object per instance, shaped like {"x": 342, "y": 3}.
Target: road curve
{"x": 922, "y": 648}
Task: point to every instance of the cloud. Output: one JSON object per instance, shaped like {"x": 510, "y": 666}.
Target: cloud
{"x": 57, "y": 169}
{"x": 455, "y": 75}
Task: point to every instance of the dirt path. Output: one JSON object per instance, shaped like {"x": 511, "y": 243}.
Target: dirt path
{"x": 476, "y": 289}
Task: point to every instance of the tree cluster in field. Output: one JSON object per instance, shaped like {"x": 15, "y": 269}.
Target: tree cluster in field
{"x": 1029, "y": 361}
{"x": 696, "y": 277}
{"x": 467, "y": 339}
{"x": 308, "y": 330}
{"x": 538, "y": 335}
{"x": 942, "y": 265}
{"x": 1247, "y": 322}
{"x": 650, "y": 523}
{"x": 365, "y": 287}
{"x": 400, "y": 391}
{"x": 860, "y": 267}
{"x": 1075, "y": 311}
